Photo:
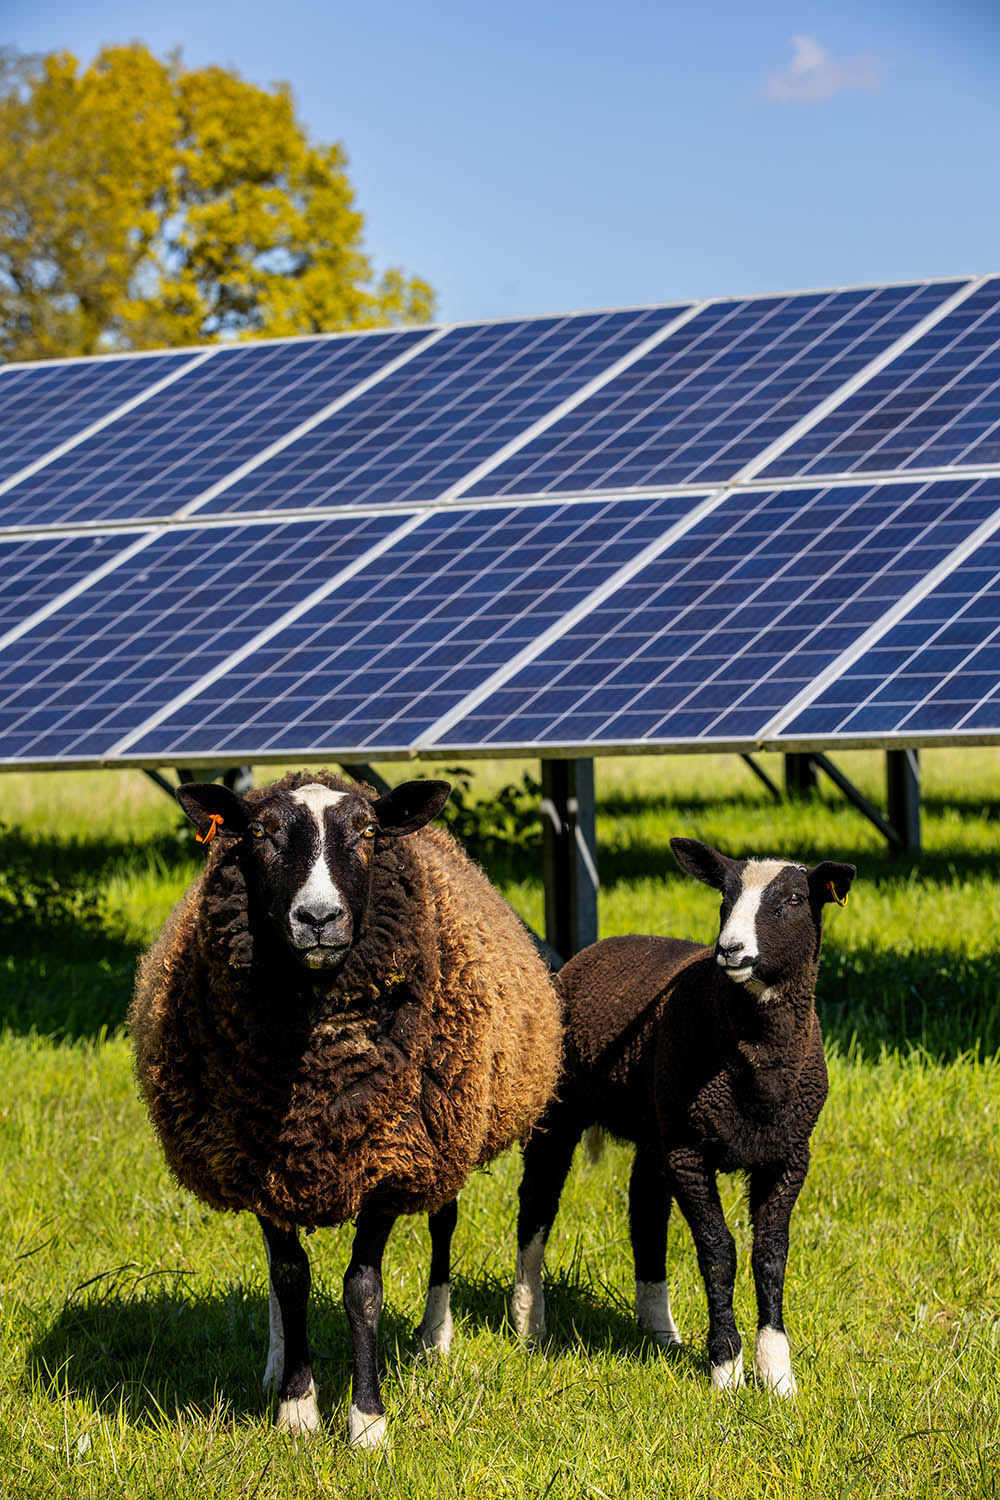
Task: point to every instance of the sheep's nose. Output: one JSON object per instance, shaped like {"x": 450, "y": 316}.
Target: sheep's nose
{"x": 729, "y": 953}
{"x": 311, "y": 916}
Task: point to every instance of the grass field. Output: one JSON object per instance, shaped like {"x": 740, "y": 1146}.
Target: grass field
{"x": 133, "y": 1322}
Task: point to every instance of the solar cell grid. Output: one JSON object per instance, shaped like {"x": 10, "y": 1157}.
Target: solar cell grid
{"x": 171, "y": 448}
{"x": 36, "y": 570}
{"x": 100, "y": 666}
{"x": 717, "y": 392}
{"x": 723, "y": 630}
{"x": 384, "y": 655}
{"x": 43, "y": 405}
{"x": 937, "y": 404}
{"x": 425, "y": 428}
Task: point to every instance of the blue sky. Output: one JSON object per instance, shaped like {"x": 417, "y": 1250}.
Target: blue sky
{"x": 547, "y": 156}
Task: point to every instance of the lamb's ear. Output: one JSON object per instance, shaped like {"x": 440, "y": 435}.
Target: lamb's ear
{"x": 702, "y": 861}
{"x": 213, "y": 809}
{"x": 830, "y": 881}
{"x": 409, "y": 806}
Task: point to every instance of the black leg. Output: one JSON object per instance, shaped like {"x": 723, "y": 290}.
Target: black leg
{"x": 436, "y": 1326}
{"x": 648, "y": 1216}
{"x": 773, "y": 1193}
{"x": 547, "y": 1157}
{"x": 363, "y": 1305}
{"x": 693, "y": 1185}
{"x": 288, "y": 1365}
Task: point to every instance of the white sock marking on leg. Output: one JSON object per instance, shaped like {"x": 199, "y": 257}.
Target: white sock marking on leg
{"x": 527, "y": 1302}
{"x": 436, "y": 1327}
{"x": 729, "y": 1375}
{"x": 300, "y": 1414}
{"x": 652, "y": 1311}
{"x": 365, "y": 1430}
{"x": 772, "y": 1361}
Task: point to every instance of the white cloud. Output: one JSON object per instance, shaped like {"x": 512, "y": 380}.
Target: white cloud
{"x": 813, "y": 75}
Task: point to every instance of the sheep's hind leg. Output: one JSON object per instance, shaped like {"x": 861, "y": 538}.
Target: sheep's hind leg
{"x": 288, "y": 1364}
{"x": 436, "y": 1329}
{"x": 547, "y": 1157}
{"x": 693, "y": 1184}
{"x": 648, "y": 1216}
{"x": 363, "y": 1305}
{"x": 772, "y": 1197}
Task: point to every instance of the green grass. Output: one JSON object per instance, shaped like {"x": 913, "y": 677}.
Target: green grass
{"x": 133, "y": 1322}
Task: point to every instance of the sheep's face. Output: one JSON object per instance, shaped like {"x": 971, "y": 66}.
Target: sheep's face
{"x": 309, "y": 852}
{"x": 770, "y": 923}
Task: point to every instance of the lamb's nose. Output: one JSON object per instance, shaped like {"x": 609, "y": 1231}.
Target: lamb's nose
{"x": 729, "y": 953}
{"x": 312, "y": 916}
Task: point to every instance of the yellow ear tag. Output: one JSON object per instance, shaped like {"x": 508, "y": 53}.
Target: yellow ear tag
{"x": 215, "y": 820}
{"x": 840, "y": 900}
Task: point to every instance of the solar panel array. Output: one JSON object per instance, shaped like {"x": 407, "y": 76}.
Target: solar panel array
{"x": 769, "y": 521}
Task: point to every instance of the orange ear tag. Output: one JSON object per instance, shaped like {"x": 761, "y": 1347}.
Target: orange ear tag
{"x": 210, "y": 832}
{"x": 840, "y": 900}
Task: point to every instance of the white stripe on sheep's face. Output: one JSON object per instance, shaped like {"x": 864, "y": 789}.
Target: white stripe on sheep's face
{"x": 770, "y": 922}
{"x": 308, "y": 851}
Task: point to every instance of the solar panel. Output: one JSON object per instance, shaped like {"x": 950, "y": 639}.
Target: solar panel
{"x": 41, "y": 405}
{"x": 175, "y": 445}
{"x": 708, "y": 400}
{"x": 722, "y": 630}
{"x": 103, "y": 663}
{"x": 425, "y": 428}
{"x": 34, "y": 571}
{"x": 938, "y": 404}
{"x": 383, "y": 655}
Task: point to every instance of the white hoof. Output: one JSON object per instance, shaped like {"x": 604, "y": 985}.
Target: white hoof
{"x": 436, "y": 1327}
{"x": 365, "y": 1430}
{"x": 729, "y": 1375}
{"x": 653, "y": 1315}
{"x": 299, "y": 1415}
{"x": 772, "y": 1362}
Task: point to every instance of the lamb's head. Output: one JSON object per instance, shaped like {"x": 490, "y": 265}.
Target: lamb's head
{"x": 771, "y": 921}
{"x": 307, "y": 852}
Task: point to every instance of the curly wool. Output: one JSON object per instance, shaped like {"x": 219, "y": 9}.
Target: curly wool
{"x": 435, "y": 1046}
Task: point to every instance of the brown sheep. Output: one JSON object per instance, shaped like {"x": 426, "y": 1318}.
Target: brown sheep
{"x": 340, "y": 1018}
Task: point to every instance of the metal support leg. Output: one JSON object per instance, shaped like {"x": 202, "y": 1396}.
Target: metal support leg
{"x": 800, "y": 775}
{"x": 569, "y": 854}
{"x": 902, "y": 776}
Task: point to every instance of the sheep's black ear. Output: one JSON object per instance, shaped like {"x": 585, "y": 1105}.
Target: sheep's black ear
{"x": 409, "y": 806}
{"x": 213, "y": 809}
{"x": 830, "y": 881}
{"x": 702, "y": 861}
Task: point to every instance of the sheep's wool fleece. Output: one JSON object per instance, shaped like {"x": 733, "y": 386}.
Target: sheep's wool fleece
{"x": 435, "y": 1047}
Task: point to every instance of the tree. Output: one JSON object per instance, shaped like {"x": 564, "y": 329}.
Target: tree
{"x": 143, "y": 204}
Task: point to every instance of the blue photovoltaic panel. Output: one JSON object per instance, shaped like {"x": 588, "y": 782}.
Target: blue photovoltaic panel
{"x": 398, "y": 644}
{"x": 171, "y": 448}
{"x": 715, "y": 394}
{"x": 429, "y": 425}
{"x": 43, "y": 405}
{"x": 100, "y": 666}
{"x": 36, "y": 570}
{"x": 937, "y": 403}
{"x": 936, "y": 672}
{"x": 722, "y": 631}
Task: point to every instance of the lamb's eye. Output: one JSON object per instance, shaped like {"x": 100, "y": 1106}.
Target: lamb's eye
{"x": 369, "y": 831}
{"x": 795, "y": 899}
{"x": 257, "y": 829}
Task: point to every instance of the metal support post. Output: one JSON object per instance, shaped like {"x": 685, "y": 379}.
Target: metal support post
{"x": 569, "y": 854}
{"x": 902, "y": 779}
{"x": 800, "y": 775}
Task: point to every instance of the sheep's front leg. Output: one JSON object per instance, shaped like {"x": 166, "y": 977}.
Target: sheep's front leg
{"x": 773, "y": 1193}
{"x": 693, "y": 1185}
{"x": 436, "y": 1329}
{"x": 288, "y": 1363}
{"x": 648, "y": 1217}
{"x": 548, "y": 1153}
{"x": 363, "y": 1305}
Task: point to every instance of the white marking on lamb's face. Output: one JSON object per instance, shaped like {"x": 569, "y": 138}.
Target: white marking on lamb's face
{"x": 652, "y": 1311}
{"x": 773, "y": 1362}
{"x": 364, "y": 1430}
{"x": 739, "y": 935}
{"x": 729, "y": 1375}
{"x": 527, "y": 1302}
{"x": 300, "y": 1414}
{"x": 318, "y": 893}
{"x": 436, "y": 1327}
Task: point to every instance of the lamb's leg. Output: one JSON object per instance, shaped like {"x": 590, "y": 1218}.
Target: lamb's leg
{"x": 288, "y": 1363}
{"x": 436, "y": 1329}
{"x": 693, "y": 1185}
{"x": 772, "y": 1197}
{"x": 648, "y": 1216}
{"x": 547, "y": 1157}
{"x": 363, "y": 1305}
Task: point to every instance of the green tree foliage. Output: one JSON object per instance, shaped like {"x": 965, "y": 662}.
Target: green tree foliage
{"x": 145, "y": 204}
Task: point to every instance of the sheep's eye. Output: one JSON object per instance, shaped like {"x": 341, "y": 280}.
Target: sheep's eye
{"x": 257, "y": 829}
{"x": 369, "y": 831}
{"x": 795, "y": 899}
